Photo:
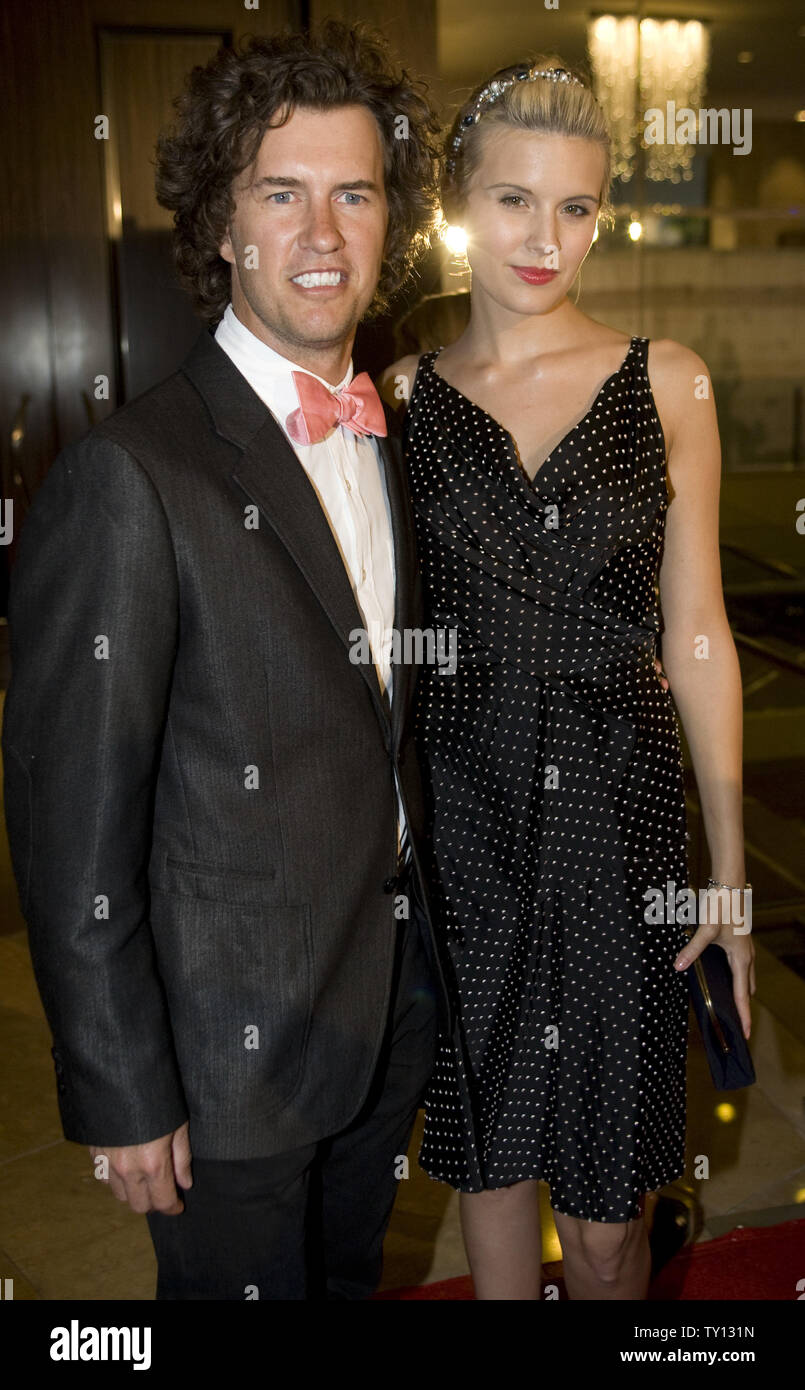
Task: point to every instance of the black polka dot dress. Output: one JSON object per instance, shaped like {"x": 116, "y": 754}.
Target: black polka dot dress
{"x": 554, "y": 786}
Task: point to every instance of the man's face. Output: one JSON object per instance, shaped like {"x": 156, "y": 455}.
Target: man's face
{"x": 313, "y": 202}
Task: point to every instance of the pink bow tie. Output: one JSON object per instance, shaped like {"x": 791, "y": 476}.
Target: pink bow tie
{"x": 357, "y": 406}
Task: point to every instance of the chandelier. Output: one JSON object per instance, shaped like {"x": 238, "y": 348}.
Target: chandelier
{"x": 643, "y": 65}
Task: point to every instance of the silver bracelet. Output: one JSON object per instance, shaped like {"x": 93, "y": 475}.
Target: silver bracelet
{"x": 714, "y": 883}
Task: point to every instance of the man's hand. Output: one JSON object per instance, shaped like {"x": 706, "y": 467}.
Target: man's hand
{"x": 145, "y": 1175}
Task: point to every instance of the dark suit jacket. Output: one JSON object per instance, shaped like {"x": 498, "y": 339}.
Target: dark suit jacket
{"x": 199, "y": 782}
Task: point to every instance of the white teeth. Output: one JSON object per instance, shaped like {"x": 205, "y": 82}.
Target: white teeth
{"x": 312, "y": 278}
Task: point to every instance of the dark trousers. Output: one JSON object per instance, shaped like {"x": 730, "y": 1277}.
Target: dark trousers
{"x": 310, "y": 1224}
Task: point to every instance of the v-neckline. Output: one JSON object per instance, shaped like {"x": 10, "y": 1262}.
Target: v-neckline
{"x": 531, "y": 483}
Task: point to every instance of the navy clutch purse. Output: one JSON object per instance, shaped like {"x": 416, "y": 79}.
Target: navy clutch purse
{"x": 710, "y": 986}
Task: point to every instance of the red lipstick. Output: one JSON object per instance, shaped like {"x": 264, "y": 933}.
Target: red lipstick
{"x": 534, "y": 274}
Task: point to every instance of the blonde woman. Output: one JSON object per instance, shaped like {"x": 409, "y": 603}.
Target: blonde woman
{"x": 565, "y": 483}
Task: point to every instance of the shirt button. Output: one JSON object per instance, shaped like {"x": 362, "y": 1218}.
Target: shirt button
{"x": 363, "y": 572}
{"x": 349, "y": 484}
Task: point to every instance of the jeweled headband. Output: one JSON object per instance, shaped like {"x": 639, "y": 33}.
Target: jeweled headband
{"x": 495, "y": 89}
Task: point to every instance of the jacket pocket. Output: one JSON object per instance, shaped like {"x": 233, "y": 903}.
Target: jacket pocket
{"x": 239, "y": 985}
{"x": 219, "y": 883}
{"x": 217, "y": 870}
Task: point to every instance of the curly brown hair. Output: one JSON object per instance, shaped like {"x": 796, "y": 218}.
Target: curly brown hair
{"x": 225, "y": 110}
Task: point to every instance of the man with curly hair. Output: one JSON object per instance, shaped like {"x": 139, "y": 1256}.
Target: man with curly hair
{"x": 213, "y": 808}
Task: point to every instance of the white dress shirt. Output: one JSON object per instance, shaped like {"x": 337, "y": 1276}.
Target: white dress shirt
{"x": 346, "y": 471}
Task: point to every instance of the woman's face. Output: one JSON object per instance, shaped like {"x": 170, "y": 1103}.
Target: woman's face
{"x": 530, "y": 210}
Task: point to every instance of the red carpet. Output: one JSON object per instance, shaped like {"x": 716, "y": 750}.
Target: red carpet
{"x": 765, "y": 1262}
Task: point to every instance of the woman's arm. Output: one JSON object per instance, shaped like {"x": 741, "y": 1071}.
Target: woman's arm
{"x": 698, "y": 652}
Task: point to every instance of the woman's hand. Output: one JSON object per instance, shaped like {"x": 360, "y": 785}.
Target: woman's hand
{"x": 740, "y": 949}
{"x": 661, "y": 673}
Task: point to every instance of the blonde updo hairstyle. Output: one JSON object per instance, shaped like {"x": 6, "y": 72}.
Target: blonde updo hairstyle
{"x": 542, "y": 105}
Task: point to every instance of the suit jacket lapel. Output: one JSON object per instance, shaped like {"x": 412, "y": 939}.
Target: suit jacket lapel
{"x": 271, "y": 476}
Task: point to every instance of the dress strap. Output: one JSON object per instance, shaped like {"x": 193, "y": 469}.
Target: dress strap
{"x": 653, "y": 419}
{"x": 640, "y": 346}
{"x": 424, "y": 369}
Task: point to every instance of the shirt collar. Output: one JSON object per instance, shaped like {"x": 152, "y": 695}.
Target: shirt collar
{"x": 263, "y": 359}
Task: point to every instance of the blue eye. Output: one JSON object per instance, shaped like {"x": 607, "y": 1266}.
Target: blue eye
{"x": 358, "y": 196}
{"x": 286, "y": 193}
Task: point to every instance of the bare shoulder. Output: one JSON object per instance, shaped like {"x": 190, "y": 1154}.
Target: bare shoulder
{"x": 396, "y": 383}
{"x": 680, "y": 380}
{"x": 674, "y": 363}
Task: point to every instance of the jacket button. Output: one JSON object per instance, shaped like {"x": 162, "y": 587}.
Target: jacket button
{"x": 389, "y": 884}
{"x": 61, "y": 1088}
